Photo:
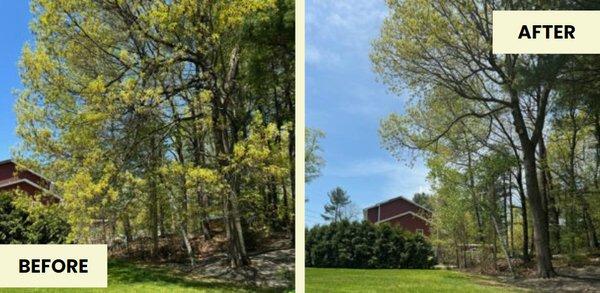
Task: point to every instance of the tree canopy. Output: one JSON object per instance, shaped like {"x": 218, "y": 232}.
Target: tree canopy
{"x": 155, "y": 117}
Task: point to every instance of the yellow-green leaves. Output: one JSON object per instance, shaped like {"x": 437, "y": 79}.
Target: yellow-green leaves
{"x": 132, "y": 107}
{"x": 234, "y": 12}
{"x": 261, "y": 151}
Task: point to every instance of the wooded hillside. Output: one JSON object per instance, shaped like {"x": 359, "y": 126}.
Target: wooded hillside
{"x": 160, "y": 118}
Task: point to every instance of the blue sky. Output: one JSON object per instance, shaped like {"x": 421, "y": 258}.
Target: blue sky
{"x": 14, "y": 32}
{"x": 344, "y": 100}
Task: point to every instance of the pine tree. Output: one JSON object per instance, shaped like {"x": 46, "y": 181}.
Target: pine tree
{"x": 335, "y": 210}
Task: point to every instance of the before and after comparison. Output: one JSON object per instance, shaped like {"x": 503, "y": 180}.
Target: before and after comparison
{"x": 299, "y": 146}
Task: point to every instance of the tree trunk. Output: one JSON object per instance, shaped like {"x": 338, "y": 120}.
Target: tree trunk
{"x": 591, "y": 228}
{"x": 524, "y": 217}
{"x": 225, "y": 132}
{"x": 504, "y": 245}
{"x": 153, "y": 218}
{"x": 474, "y": 198}
{"x": 127, "y": 228}
{"x": 236, "y": 245}
{"x": 540, "y": 219}
{"x": 204, "y": 220}
{"x": 550, "y": 201}
{"x": 180, "y": 221}
{"x": 512, "y": 221}
{"x": 597, "y": 135}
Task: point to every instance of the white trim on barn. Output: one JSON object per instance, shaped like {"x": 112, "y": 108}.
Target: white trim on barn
{"x": 27, "y": 181}
{"x": 402, "y": 215}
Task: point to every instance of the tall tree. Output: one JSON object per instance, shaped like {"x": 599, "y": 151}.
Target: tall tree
{"x": 336, "y": 209}
{"x": 452, "y": 50}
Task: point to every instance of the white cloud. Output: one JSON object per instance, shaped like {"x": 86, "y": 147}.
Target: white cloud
{"x": 397, "y": 177}
{"x": 354, "y": 19}
{"x": 373, "y": 102}
{"x": 406, "y": 182}
{"x": 368, "y": 167}
{"x": 321, "y": 56}
{"x": 341, "y": 29}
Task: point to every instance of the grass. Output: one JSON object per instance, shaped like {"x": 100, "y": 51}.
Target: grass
{"x": 129, "y": 277}
{"x": 355, "y": 280}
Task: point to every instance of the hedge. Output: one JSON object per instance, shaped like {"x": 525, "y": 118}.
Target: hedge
{"x": 23, "y": 221}
{"x": 365, "y": 245}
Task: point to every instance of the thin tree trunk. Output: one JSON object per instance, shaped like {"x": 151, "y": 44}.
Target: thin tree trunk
{"x": 180, "y": 221}
{"x": 204, "y": 220}
{"x": 504, "y": 245}
{"x": 597, "y": 135}
{"x": 127, "y": 228}
{"x": 474, "y": 199}
{"x": 512, "y": 221}
{"x": 154, "y": 218}
{"x": 524, "y": 217}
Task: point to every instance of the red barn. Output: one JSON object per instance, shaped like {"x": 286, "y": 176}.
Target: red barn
{"x": 402, "y": 212}
{"x": 26, "y": 181}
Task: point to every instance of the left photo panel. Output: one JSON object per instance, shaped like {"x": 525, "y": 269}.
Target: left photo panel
{"x": 160, "y": 131}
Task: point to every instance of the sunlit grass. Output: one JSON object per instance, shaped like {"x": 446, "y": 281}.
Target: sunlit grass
{"x": 355, "y": 280}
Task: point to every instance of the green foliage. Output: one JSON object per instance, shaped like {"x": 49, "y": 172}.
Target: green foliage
{"x": 423, "y": 199}
{"x": 24, "y": 220}
{"x": 364, "y": 245}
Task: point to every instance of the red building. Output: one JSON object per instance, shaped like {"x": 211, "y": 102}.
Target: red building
{"x": 401, "y": 212}
{"x": 26, "y": 181}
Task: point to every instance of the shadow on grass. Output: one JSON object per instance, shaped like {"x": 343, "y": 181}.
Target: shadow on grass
{"x": 123, "y": 273}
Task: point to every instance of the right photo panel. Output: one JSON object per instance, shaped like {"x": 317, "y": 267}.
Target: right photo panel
{"x": 452, "y": 146}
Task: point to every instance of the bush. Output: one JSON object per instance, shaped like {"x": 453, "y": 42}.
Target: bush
{"x": 365, "y": 245}
{"x": 24, "y": 221}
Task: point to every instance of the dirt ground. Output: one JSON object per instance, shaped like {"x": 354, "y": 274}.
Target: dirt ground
{"x": 272, "y": 263}
{"x": 584, "y": 278}
{"x": 274, "y": 269}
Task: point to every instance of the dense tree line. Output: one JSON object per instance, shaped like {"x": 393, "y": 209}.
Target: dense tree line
{"x": 159, "y": 117}
{"x": 512, "y": 141}
{"x": 346, "y": 244}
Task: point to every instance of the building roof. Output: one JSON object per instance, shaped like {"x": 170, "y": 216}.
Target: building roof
{"x": 15, "y": 181}
{"x": 396, "y": 198}
{"x": 10, "y": 161}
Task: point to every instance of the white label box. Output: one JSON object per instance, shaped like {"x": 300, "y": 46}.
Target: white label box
{"x": 546, "y": 32}
{"x": 53, "y": 266}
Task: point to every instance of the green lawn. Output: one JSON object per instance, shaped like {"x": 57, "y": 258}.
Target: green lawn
{"x": 126, "y": 277}
{"x": 354, "y": 280}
